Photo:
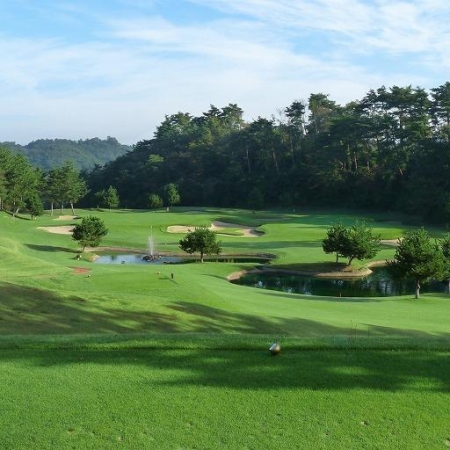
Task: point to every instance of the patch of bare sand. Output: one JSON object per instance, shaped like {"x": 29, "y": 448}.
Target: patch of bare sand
{"x": 66, "y": 218}
{"x": 217, "y": 226}
{"x": 393, "y": 242}
{"x": 65, "y": 229}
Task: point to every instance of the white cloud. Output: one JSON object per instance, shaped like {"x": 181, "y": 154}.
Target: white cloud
{"x": 260, "y": 54}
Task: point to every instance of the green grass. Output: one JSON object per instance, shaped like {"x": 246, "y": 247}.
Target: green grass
{"x": 204, "y": 397}
{"x": 131, "y": 358}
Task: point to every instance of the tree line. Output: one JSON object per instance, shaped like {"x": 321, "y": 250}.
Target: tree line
{"x": 389, "y": 151}
{"x": 24, "y": 187}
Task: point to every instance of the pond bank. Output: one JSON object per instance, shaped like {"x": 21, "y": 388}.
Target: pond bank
{"x": 361, "y": 273}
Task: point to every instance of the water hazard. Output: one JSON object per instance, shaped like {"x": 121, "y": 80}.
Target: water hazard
{"x": 167, "y": 259}
{"x": 138, "y": 259}
{"x": 378, "y": 284}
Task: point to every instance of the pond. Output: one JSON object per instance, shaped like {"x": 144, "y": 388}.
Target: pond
{"x": 165, "y": 259}
{"x": 137, "y": 259}
{"x": 378, "y": 284}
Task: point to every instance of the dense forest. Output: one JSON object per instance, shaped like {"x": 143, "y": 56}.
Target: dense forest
{"x": 388, "y": 151}
{"x": 85, "y": 154}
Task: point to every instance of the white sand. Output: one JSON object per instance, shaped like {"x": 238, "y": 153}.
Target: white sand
{"x": 66, "y": 229}
{"x": 217, "y": 226}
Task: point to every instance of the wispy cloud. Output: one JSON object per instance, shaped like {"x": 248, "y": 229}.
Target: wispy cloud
{"x": 411, "y": 26}
{"x": 118, "y": 70}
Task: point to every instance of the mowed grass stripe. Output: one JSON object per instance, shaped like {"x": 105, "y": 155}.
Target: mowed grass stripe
{"x": 206, "y": 398}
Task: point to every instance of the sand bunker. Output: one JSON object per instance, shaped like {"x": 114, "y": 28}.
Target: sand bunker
{"x": 66, "y": 229}
{"x": 393, "y": 242}
{"x": 63, "y": 229}
{"x": 66, "y": 218}
{"x": 217, "y": 226}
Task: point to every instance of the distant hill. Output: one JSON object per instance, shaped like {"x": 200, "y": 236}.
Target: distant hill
{"x": 50, "y": 153}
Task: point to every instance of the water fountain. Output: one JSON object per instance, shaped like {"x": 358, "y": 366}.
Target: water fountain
{"x": 150, "y": 256}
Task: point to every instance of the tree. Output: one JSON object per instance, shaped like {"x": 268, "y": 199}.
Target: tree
{"x": 255, "y": 199}
{"x": 296, "y": 126}
{"x": 360, "y": 243}
{"x": 201, "y": 240}
{"x": 155, "y": 201}
{"x": 34, "y": 206}
{"x": 321, "y": 111}
{"x": 417, "y": 257}
{"x": 20, "y": 180}
{"x": 54, "y": 187}
{"x": 99, "y": 197}
{"x": 354, "y": 242}
{"x": 335, "y": 240}
{"x": 108, "y": 197}
{"x": 74, "y": 186}
{"x": 112, "y": 198}
{"x": 64, "y": 184}
{"x": 89, "y": 232}
{"x": 445, "y": 247}
{"x": 172, "y": 195}
{"x": 440, "y": 110}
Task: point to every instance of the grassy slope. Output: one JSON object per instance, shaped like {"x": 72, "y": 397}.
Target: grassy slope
{"x": 44, "y": 294}
{"x": 366, "y": 374}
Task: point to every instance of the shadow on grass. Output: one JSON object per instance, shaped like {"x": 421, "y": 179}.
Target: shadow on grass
{"x": 31, "y": 311}
{"x": 323, "y": 298}
{"x": 254, "y": 369}
{"x": 50, "y": 248}
{"x": 26, "y": 310}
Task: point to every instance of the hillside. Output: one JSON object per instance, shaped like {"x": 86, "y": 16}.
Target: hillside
{"x": 50, "y": 153}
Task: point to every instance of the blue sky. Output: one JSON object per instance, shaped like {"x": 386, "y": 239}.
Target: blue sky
{"x": 79, "y": 69}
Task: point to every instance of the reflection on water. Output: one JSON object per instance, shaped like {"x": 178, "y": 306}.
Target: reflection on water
{"x": 162, "y": 259}
{"x": 137, "y": 259}
{"x": 378, "y": 284}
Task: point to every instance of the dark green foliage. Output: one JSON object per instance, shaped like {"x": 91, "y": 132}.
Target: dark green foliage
{"x": 387, "y": 150}
{"x": 445, "y": 247}
{"x": 171, "y": 194}
{"x": 202, "y": 240}
{"x": 418, "y": 257}
{"x": 335, "y": 240}
{"x": 155, "y": 201}
{"x": 19, "y": 181}
{"x": 65, "y": 185}
{"x": 89, "y": 232}
{"x": 34, "y": 206}
{"x": 356, "y": 242}
{"x": 108, "y": 198}
{"x": 73, "y": 187}
{"x": 361, "y": 243}
{"x": 255, "y": 199}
